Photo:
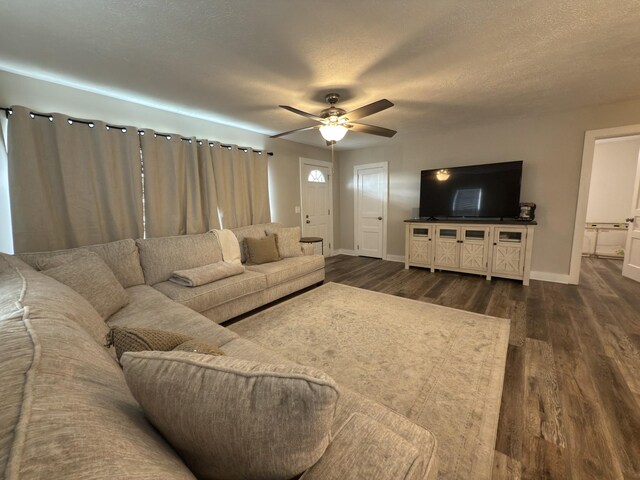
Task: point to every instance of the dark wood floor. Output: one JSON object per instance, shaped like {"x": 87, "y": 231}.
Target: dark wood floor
{"x": 571, "y": 399}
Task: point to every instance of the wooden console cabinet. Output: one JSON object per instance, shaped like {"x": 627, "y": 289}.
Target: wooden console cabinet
{"x": 498, "y": 249}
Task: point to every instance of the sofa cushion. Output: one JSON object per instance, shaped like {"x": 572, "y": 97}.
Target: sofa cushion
{"x": 364, "y": 448}
{"x": 207, "y": 296}
{"x": 194, "y": 277}
{"x": 195, "y": 346}
{"x": 352, "y": 402}
{"x": 287, "y": 239}
{"x": 121, "y": 256}
{"x": 162, "y": 256}
{"x": 90, "y": 276}
{"x": 250, "y": 231}
{"x": 148, "y": 308}
{"x": 65, "y": 408}
{"x": 262, "y": 250}
{"x": 235, "y": 419}
{"x": 288, "y": 268}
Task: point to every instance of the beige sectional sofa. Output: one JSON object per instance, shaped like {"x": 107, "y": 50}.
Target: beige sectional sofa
{"x": 66, "y": 411}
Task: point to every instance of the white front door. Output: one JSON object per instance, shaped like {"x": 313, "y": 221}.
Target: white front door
{"x": 315, "y": 190}
{"x": 370, "y": 209}
{"x": 631, "y": 265}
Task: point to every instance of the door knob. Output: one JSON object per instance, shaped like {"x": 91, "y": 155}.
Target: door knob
{"x": 379, "y": 218}
{"x": 308, "y": 221}
{"x": 629, "y": 219}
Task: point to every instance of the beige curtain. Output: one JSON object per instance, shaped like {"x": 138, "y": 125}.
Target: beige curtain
{"x": 72, "y": 184}
{"x": 208, "y": 184}
{"x": 258, "y": 186}
{"x": 242, "y": 185}
{"x": 179, "y": 186}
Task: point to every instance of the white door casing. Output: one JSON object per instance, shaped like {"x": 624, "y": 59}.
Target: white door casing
{"x": 370, "y": 209}
{"x": 631, "y": 263}
{"x": 316, "y": 200}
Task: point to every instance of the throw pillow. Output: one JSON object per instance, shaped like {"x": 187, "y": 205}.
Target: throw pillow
{"x": 125, "y": 339}
{"x": 88, "y": 275}
{"x": 232, "y": 419}
{"x": 288, "y": 241}
{"x": 194, "y": 277}
{"x": 262, "y": 250}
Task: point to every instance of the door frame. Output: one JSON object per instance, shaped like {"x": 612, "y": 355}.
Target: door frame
{"x": 328, "y": 249}
{"x": 356, "y": 221}
{"x": 588, "y": 149}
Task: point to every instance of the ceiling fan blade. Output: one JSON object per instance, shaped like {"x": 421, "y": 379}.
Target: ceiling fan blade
{"x": 294, "y": 131}
{"x": 367, "y": 110}
{"x": 372, "y": 129}
{"x": 300, "y": 112}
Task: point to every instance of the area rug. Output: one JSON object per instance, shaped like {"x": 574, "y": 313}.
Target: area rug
{"x": 442, "y": 368}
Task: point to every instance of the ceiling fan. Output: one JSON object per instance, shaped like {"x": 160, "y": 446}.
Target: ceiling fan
{"x": 334, "y": 122}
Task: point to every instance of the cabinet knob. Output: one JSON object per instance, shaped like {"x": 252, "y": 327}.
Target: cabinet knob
{"x": 379, "y": 218}
{"x": 629, "y": 219}
{"x": 308, "y": 221}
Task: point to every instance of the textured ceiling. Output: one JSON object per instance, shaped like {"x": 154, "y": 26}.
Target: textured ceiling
{"x": 444, "y": 63}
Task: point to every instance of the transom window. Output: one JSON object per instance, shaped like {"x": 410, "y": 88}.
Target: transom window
{"x": 316, "y": 176}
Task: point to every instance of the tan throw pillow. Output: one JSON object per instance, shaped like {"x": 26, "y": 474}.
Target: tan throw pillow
{"x": 262, "y": 250}
{"x": 88, "y": 275}
{"x": 287, "y": 240}
{"x": 234, "y": 419}
{"x": 125, "y": 339}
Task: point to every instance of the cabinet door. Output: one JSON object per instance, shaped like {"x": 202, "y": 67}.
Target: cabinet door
{"x": 474, "y": 249}
{"x": 420, "y": 244}
{"x": 508, "y": 251}
{"x": 447, "y": 252}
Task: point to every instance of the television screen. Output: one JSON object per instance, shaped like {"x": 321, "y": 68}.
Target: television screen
{"x": 489, "y": 191}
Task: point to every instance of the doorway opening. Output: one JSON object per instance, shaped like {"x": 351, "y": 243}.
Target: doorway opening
{"x": 606, "y": 226}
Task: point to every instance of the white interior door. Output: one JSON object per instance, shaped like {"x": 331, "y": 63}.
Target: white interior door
{"x": 631, "y": 265}
{"x": 317, "y": 206}
{"x": 370, "y": 209}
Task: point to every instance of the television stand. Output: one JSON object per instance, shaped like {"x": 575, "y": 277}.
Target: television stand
{"x": 493, "y": 248}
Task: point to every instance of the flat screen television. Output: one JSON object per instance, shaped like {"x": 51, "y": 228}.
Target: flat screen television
{"x": 476, "y": 191}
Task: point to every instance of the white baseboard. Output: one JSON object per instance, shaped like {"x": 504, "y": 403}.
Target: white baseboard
{"x": 344, "y": 251}
{"x": 354, "y": 253}
{"x": 550, "y": 277}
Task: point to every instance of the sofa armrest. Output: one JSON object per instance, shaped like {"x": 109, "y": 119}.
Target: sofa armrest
{"x": 308, "y": 248}
{"x": 365, "y": 449}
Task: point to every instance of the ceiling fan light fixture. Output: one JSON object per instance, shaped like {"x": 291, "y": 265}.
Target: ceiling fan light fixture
{"x": 332, "y": 132}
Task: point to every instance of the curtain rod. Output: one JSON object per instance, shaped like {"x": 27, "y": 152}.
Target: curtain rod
{"x": 72, "y": 120}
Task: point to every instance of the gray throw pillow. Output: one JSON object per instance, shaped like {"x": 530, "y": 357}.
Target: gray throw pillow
{"x": 262, "y": 250}
{"x": 94, "y": 280}
{"x": 233, "y": 419}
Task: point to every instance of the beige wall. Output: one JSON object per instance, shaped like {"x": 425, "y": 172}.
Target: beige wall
{"x": 615, "y": 162}
{"x": 49, "y": 97}
{"x": 550, "y": 145}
